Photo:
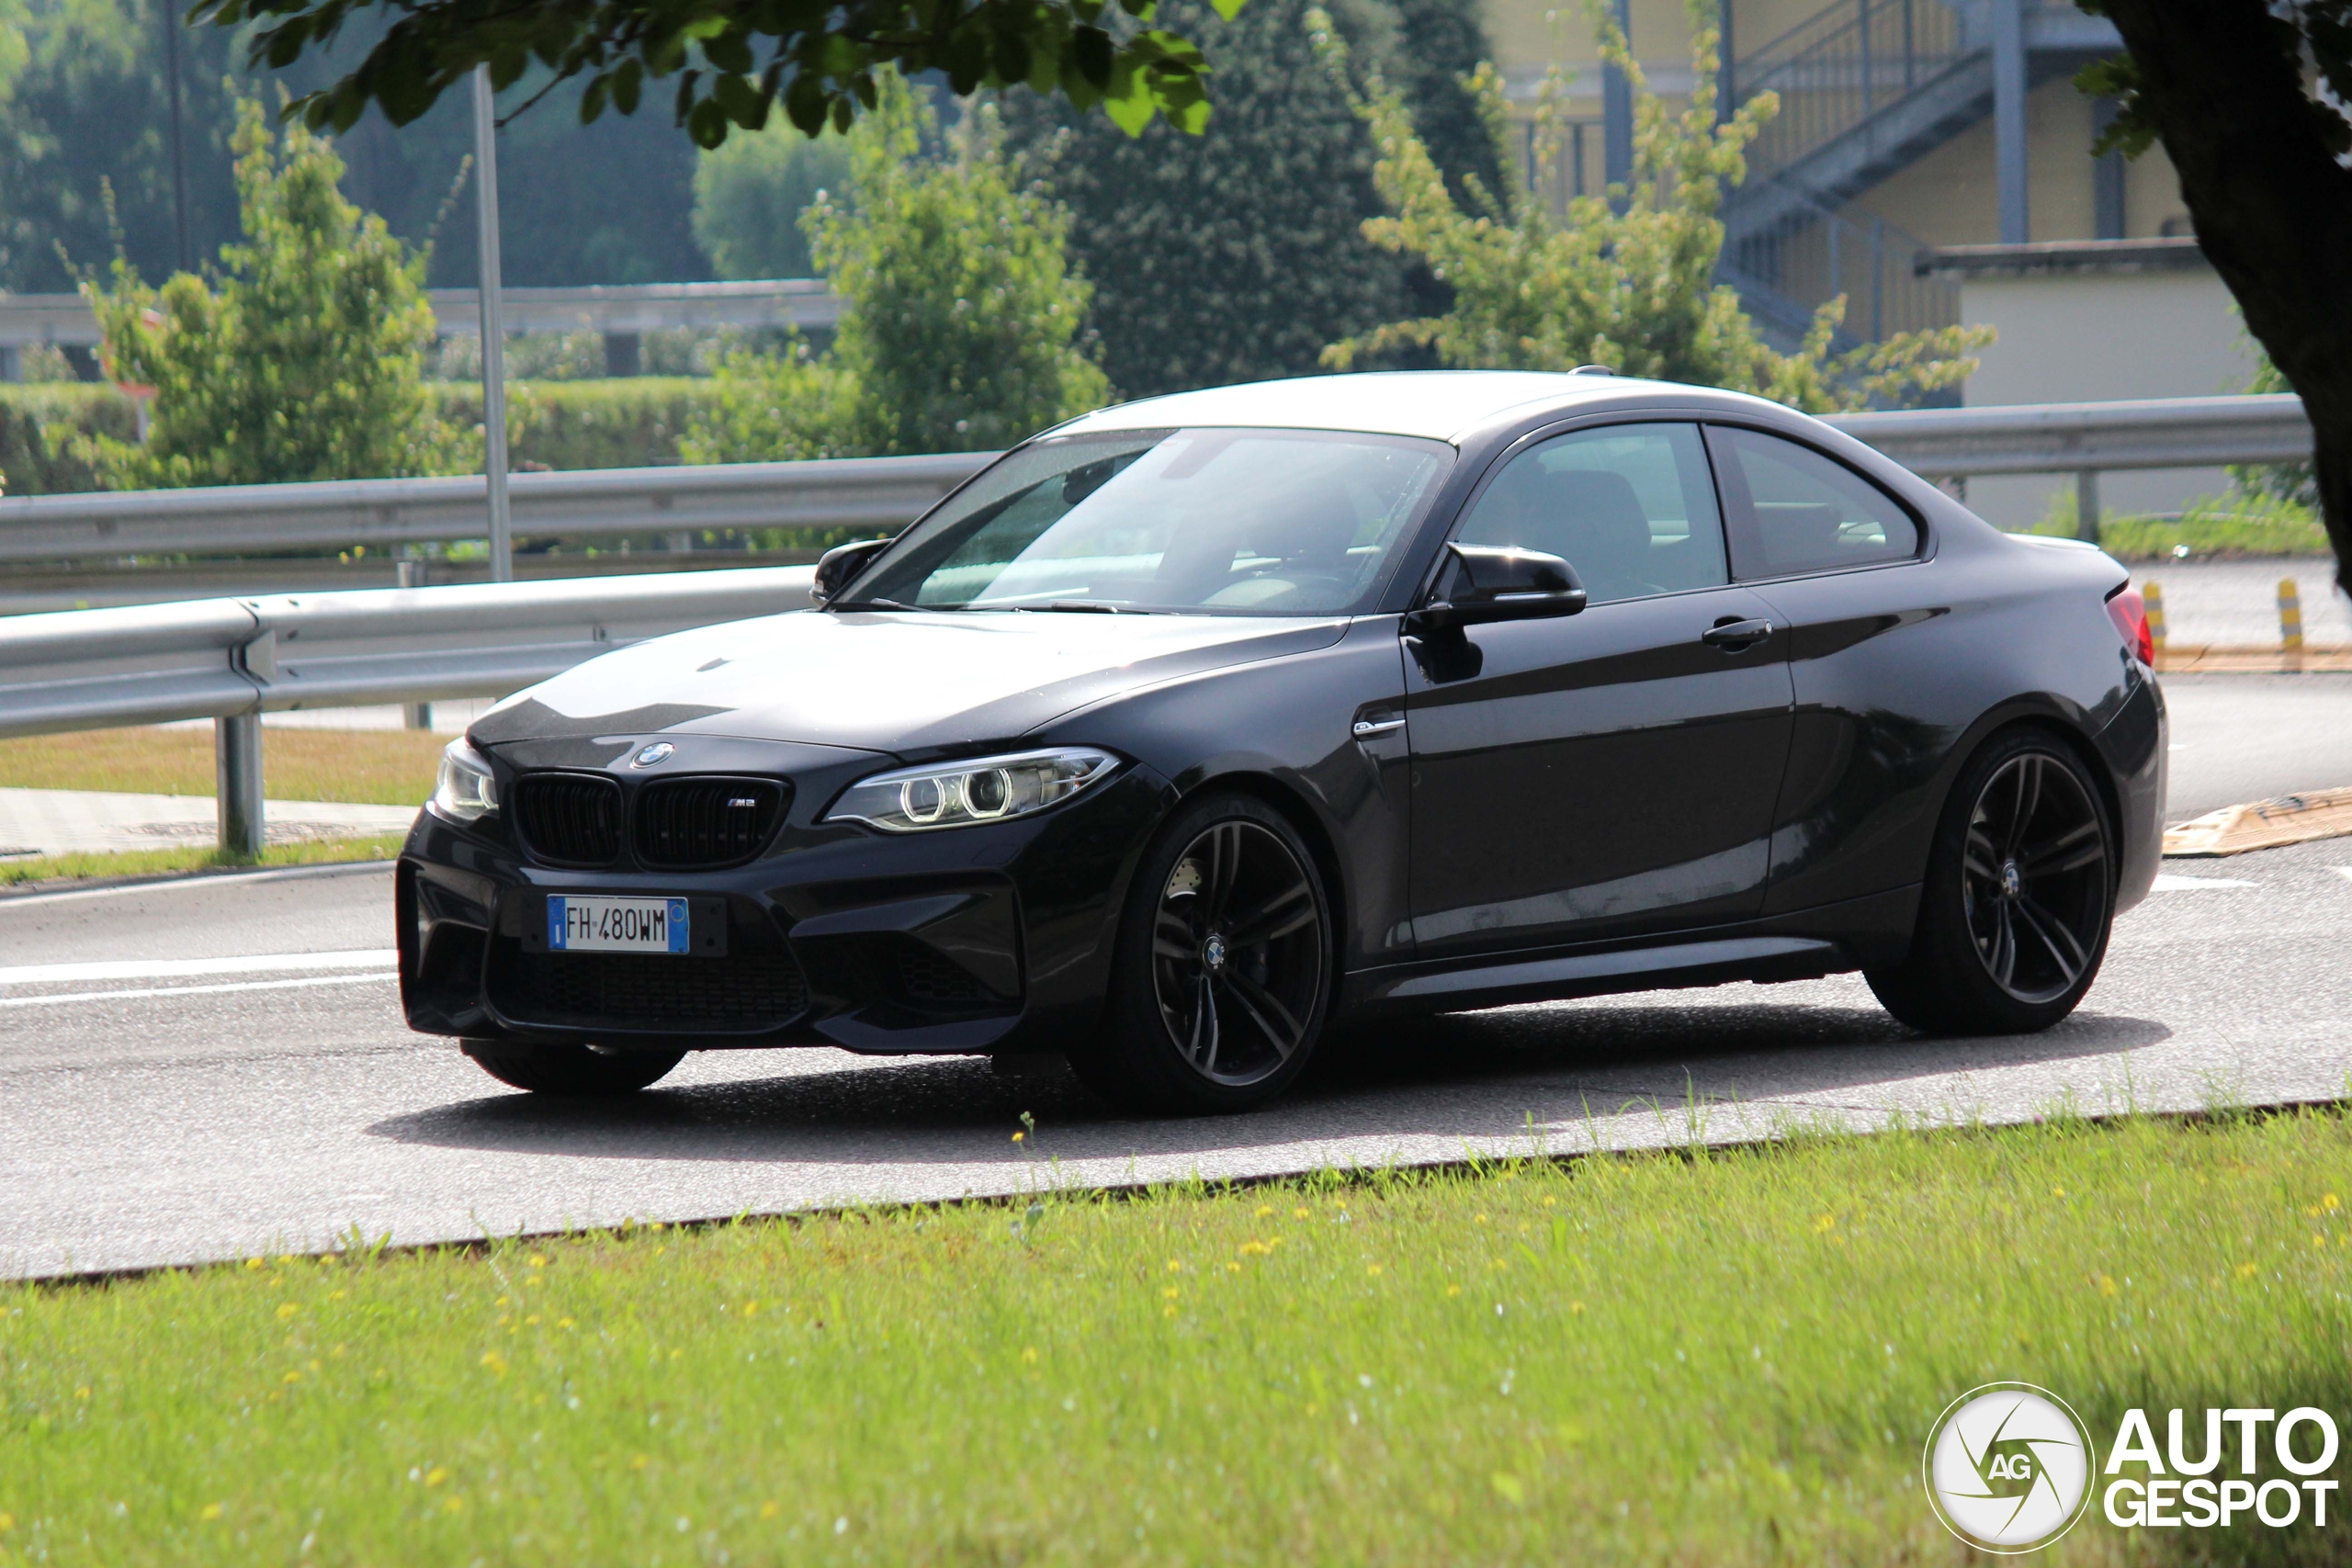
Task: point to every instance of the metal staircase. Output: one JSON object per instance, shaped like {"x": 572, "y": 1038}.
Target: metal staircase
{"x": 1866, "y": 88}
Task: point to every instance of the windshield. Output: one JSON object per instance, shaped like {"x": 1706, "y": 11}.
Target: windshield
{"x": 1218, "y": 522}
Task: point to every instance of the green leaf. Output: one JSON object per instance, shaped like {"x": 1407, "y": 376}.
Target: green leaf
{"x": 627, "y": 80}
{"x": 1229, "y": 9}
{"x": 1091, "y": 51}
{"x": 805, "y": 105}
{"x": 706, "y": 123}
{"x": 729, "y": 52}
{"x": 1126, "y": 100}
{"x": 592, "y": 100}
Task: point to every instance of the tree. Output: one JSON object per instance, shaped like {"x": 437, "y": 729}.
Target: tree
{"x": 2260, "y": 153}
{"x": 84, "y": 101}
{"x": 1626, "y": 279}
{"x": 301, "y": 361}
{"x": 750, "y": 194}
{"x": 1237, "y": 257}
{"x": 962, "y": 327}
{"x": 824, "y": 61}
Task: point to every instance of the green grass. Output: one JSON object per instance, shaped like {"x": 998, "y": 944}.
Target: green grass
{"x": 37, "y": 869}
{"x": 2237, "y": 525}
{"x": 378, "y": 767}
{"x": 1723, "y": 1357}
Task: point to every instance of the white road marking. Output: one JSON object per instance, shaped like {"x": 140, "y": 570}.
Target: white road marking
{"x": 207, "y": 879}
{"x": 2168, "y": 883}
{"x": 55, "y": 996}
{"x": 181, "y": 968}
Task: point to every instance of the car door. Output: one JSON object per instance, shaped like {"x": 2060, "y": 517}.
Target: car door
{"x": 1840, "y": 560}
{"x": 1611, "y": 772}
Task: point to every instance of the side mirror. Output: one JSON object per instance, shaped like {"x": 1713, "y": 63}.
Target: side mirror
{"x": 1499, "y": 582}
{"x": 837, "y": 567}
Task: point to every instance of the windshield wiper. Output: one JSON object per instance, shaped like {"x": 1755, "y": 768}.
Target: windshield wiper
{"x": 1082, "y": 607}
{"x": 882, "y": 605}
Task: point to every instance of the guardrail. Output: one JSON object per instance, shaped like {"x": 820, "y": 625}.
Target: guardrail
{"x": 230, "y": 660}
{"x": 586, "y": 503}
{"x": 881, "y": 492}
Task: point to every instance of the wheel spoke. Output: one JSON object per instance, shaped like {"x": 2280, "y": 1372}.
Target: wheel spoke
{"x": 1205, "y": 1033}
{"x": 2070, "y": 851}
{"x": 1225, "y": 866}
{"x": 1174, "y": 937}
{"x": 1979, "y": 857}
{"x": 1273, "y": 918}
{"x": 2029, "y": 799}
{"x": 2003, "y": 960}
{"x": 2061, "y": 944}
{"x": 1273, "y": 1020}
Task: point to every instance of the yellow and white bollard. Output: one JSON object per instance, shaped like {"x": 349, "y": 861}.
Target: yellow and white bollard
{"x": 2151, "y": 595}
{"x": 2291, "y": 617}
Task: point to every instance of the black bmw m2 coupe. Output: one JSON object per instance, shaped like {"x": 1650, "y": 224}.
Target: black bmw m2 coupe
{"x": 1192, "y": 726}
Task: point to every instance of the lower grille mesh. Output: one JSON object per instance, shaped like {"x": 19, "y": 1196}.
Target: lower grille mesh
{"x": 582, "y": 990}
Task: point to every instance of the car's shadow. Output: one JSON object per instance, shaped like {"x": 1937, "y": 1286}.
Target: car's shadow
{"x": 1478, "y": 1075}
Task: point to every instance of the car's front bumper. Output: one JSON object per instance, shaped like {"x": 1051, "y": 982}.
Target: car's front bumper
{"x": 971, "y": 939}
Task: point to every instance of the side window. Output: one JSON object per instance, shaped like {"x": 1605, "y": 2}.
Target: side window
{"x": 1804, "y": 511}
{"x": 1632, "y": 507}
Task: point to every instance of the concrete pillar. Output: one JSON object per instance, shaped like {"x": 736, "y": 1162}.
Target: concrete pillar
{"x": 1617, "y": 107}
{"x": 236, "y": 753}
{"x": 2107, "y": 217}
{"x": 2009, "y": 119}
{"x": 624, "y": 354}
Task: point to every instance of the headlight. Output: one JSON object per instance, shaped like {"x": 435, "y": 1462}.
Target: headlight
{"x": 957, "y": 794}
{"x": 465, "y": 791}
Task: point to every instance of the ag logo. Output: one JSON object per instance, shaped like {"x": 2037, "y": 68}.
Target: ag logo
{"x": 2009, "y": 1467}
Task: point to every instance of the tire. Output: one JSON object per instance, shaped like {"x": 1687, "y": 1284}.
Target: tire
{"x": 1222, "y": 977}
{"x": 2018, "y": 899}
{"x": 572, "y": 1072}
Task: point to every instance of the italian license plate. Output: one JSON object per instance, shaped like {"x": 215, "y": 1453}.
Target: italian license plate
{"x": 617, "y": 925}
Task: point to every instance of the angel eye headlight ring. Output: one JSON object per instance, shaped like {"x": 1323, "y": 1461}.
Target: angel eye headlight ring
{"x": 968, "y": 793}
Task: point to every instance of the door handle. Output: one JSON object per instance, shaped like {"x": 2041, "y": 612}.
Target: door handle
{"x": 1736, "y": 636}
{"x": 1366, "y": 728}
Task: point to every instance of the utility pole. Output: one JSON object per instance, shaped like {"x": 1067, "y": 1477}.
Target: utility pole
{"x": 494, "y": 332}
{"x": 164, "y": 8}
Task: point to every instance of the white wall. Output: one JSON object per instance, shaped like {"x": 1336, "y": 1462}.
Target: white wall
{"x": 2096, "y": 337}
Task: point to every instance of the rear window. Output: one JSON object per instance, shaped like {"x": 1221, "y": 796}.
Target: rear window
{"x": 1805, "y": 512}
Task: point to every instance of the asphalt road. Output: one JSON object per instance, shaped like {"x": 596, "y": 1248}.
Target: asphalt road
{"x": 211, "y": 1068}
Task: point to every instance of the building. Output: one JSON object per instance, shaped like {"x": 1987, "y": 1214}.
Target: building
{"x": 1913, "y": 135}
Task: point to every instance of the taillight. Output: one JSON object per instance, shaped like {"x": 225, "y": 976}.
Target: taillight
{"x": 2129, "y": 614}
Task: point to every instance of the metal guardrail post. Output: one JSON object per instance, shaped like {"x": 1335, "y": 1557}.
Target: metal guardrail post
{"x": 413, "y": 715}
{"x": 236, "y": 751}
{"x": 2087, "y": 513}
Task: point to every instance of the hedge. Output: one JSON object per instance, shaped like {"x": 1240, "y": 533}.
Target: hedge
{"x": 632, "y": 421}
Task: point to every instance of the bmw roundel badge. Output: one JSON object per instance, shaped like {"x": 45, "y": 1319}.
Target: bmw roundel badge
{"x": 657, "y": 753}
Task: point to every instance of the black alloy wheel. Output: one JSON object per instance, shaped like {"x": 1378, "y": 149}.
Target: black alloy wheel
{"x": 2018, "y": 898}
{"x": 1223, "y": 976}
{"x": 2034, "y": 877}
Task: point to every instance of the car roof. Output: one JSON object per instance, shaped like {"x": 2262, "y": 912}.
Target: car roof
{"x": 1443, "y": 405}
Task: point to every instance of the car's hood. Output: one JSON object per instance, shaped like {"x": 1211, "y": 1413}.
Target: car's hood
{"x": 909, "y": 683}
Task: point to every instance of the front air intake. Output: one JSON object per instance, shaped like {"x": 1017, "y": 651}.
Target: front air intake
{"x": 569, "y": 818}
{"x": 690, "y": 823}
